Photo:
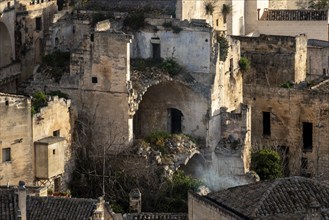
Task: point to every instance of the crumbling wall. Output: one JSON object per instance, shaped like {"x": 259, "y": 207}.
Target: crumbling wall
{"x": 56, "y": 120}
{"x": 274, "y": 59}
{"x": 153, "y": 112}
{"x": 317, "y": 61}
{"x": 16, "y": 135}
{"x": 194, "y": 58}
{"x": 168, "y": 5}
{"x": 288, "y": 109}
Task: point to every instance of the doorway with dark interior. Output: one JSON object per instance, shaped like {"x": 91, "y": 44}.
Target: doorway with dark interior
{"x": 175, "y": 120}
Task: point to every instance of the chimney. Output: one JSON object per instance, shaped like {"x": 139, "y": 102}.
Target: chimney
{"x": 135, "y": 201}
{"x": 22, "y": 199}
{"x": 99, "y": 212}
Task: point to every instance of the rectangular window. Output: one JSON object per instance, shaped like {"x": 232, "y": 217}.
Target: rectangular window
{"x": 94, "y": 79}
{"x": 56, "y": 133}
{"x": 156, "y": 51}
{"x": 38, "y": 24}
{"x": 6, "y": 155}
{"x": 307, "y": 136}
{"x": 92, "y": 37}
{"x": 217, "y": 22}
{"x": 266, "y": 123}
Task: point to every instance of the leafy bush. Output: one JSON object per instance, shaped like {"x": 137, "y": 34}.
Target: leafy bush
{"x": 267, "y": 164}
{"x": 223, "y": 47}
{"x": 167, "y": 24}
{"x": 171, "y": 66}
{"x": 174, "y": 196}
{"x": 287, "y": 85}
{"x": 59, "y": 62}
{"x": 39, "y": 100}
{"x": 244, "y": 64}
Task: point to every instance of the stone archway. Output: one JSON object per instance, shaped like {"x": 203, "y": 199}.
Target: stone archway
{"x": 6, "y": 55}
{"x": 154, "y": 110}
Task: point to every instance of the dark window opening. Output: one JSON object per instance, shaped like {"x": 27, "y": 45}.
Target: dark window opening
{"x": 92, "y": 37}
{"x": 156, "y": 51}
{"x": 231, "y": 65}
{"x": 54, "y": 151}
{"x": 60, "y": 5}
{"x": 57, "y": 184}
{"x": 217, "y": 22}
{"x": 56, "y": 133}
{"x": 175, "y": 120}
{"x": 38, "y": 24}
{"x": 94, "y": 79}
{"x": 307, "y": 136}
{"x": 304, "y": 163}
{"x": 6, "y": 154}
{"x": 73, "y": 30}
{"x": 266, "y": 123}
{"x": 324, "y": 71}
{"x": 7, "y": 102}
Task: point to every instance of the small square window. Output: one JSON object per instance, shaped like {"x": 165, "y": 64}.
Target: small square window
{"x": 94, "y": 79}
{"x": 6, "y": 155}
{"x": 56, "y": 133}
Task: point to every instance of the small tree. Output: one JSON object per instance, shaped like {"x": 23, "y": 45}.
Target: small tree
{"x": 244, "y": 64}
{"x": 226, "y": 9}
{"x": 267, "y": 164}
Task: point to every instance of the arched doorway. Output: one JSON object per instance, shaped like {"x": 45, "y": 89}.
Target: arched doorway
{"x": 6, "y": 55}
{"x": 171, "y": 107}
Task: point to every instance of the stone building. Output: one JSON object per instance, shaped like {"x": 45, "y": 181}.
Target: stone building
{"x": 317, "y": 59}
{"x": 286, "y": 198}
{"x": 274, "y": 59}
{"x": 35, "y": 148}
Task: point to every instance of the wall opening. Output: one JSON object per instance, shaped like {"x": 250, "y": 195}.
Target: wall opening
{"x": 307, "y": 136}
{"x": 6, "y": 154}
{"x": 266, "y": 123}
{"x": 60, "y": 5}
{"x": 156, "y": 49}
{"x": 57, "y": 184}
{"x": 38, "y": 24}
{"x": 284, "y": 153}
{"x": 175, "y": 120}
{"x": 56, "y": 133}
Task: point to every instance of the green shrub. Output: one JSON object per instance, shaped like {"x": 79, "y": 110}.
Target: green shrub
{"x": 244, "y": 64}
{"x": 174, "y": 196}
{"x": 175, "y": 29}
{"x": 171, "y": 66}
{"x": 287, "y": 85}
{"x": 223, "y": 47}
{"x": 117, "y": 208}
{"x": 167, "y": 24}
{"x": 59, "y": 62}
{"x": 39, "y": 100}
{"x": 267, "y": 164}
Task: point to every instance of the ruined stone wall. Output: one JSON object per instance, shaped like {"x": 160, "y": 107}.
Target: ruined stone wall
{"x": 168, "y": 5}
{"x": 194, "y": 58}
{"x": 7, "y": 33}
{"x": 288, "y": 110}
{"x": 30, "y": 41}
{"x": 67, "y": 34}
{"x": 153, "y": 114}
{"x": 56, "y": 117}
{"x": 16, "y": 135}
{"x": 317, "y": 61}
{"x": 274, "y": 59}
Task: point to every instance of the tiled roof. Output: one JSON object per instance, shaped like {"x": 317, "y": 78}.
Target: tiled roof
{"x": 155, "y": 216}
{"x": 286, "y": 197}
{"x": 8, "y": 204}
{"x": 52, "y": 208}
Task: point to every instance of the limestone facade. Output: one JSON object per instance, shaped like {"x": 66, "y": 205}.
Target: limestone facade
{"x": 21, "y": 133}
